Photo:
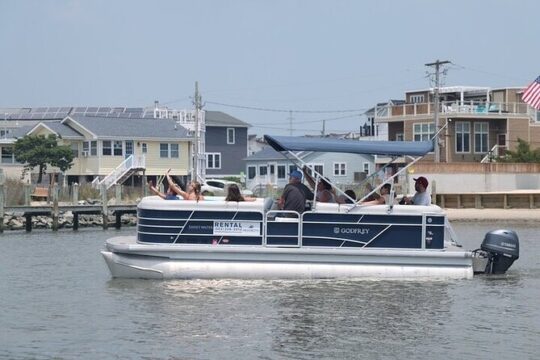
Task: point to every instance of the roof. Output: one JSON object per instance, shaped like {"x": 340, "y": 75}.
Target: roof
{"x": 218, "y": 118}
{"x": 388, "y": 148}
{"x": 108, "y": 127}
{"x": 62, "y": 130}
{"x": 266, "y": 153}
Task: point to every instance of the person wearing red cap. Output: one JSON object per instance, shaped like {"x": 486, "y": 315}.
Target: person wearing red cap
{"x": 421, "y": 197}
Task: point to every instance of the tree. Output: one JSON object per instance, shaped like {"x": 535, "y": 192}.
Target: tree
{"x": 40, "y": 151}
{"x": 523, "y": 154}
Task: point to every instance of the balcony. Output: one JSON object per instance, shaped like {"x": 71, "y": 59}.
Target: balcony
{"x": 454, "y": 108}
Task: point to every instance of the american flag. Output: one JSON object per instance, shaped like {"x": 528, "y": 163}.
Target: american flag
{"x": 532, "y": 94}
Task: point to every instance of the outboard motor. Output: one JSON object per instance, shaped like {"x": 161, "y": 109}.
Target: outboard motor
{"x": 499, "y": 250}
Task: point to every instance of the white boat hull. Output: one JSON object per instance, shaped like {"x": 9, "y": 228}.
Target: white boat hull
{"x": 127, "y": 259}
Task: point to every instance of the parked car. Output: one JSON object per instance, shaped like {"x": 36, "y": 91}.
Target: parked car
{"x": 218, "y": 187}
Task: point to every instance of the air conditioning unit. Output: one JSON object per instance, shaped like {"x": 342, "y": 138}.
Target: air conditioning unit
{"x": 84, "y": 153}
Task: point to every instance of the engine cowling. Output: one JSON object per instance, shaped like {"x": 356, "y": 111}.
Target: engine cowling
{"x": 502, "y": 249}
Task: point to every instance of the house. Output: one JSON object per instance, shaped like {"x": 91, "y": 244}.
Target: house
{"x": 482, "y": 122}
{"x": 269, "y": 167}
{"x": 126, "y": 131}
{"x": 101, "y": 144}
{"x": 226, "y": 144}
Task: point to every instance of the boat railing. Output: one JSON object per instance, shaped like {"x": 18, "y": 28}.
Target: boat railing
{"x": 283, "y": 228}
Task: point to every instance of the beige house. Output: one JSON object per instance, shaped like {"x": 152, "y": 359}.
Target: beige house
{"x": 482, "y": 122}
{"x": 103, "y": 145}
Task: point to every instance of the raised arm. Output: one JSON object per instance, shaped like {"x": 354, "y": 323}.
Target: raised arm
{"x": 177, "y": 189}
{"x": 155, "y": 191}
{"x": 308, "y": 177}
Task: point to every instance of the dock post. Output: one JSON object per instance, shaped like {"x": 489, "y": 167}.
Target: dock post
{"x": 105, "y": 210}
{"x": 75, "y": 193}
{"x": 2, "y": 200}
{"x": 28, "y": 225}
{"x": 144, "y": 184}
{"x": 118, "y": 222}
{"x": 27, "y": 191}
{"x": 118, "y": 193}
{"x": 55, "y": 212}
{"x": 75, "y": 221}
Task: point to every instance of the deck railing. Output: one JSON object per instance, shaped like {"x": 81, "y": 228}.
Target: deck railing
{"x": 454, "y": 108}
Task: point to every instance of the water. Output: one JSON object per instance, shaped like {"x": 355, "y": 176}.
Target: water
{"x": 58, "y": 301}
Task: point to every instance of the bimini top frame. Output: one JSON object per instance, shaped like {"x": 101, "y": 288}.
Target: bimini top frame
{"x": 288, "y": 145}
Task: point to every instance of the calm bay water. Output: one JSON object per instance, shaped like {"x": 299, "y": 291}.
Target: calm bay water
{"x": 58, "y": 301}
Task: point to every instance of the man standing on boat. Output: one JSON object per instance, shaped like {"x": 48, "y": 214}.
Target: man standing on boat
{"x": 295, "y": 194}
{"x": 421, "y": 197}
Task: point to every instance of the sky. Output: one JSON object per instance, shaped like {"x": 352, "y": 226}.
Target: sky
{"x": 268, "y": 63}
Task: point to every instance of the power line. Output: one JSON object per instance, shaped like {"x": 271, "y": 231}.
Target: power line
{"x": 285, "y": 110}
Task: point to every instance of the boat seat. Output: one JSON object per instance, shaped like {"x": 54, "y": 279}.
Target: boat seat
{"x": 268, "y": 203}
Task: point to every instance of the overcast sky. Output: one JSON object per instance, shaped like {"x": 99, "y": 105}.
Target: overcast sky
{"x": 318, "y": 56}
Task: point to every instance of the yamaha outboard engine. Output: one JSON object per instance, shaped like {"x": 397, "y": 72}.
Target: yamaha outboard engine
{"x": 499, "y": 250}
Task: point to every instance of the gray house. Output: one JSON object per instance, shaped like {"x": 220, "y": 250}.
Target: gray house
{"x": 226, "y": 144}
{"x": 269, "y": 167}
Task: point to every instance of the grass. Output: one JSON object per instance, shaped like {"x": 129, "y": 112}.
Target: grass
{"x": 14, "y": 191}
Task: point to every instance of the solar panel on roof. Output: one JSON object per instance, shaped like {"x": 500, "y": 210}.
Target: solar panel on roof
{"x": 39, "y": 110}
{"x": 54, "y": 109}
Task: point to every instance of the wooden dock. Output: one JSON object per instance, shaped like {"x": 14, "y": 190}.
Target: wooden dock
{"x": 54, "y": 211}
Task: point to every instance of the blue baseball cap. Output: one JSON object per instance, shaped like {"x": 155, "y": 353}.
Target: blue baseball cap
{"x": 296, "y": 174}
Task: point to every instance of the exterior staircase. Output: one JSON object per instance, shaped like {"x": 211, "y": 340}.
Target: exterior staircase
{"x": 127, "y": 168}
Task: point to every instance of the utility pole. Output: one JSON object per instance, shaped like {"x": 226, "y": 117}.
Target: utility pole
{"x": 197, "y": 103}
{"x": 437, "y": 65}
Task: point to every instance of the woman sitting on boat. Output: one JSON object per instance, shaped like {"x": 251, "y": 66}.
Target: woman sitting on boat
{"x": 324, "y": 189}
{"x": 193, "y": 189}
{"x": 383, "y": 199}
{"x": 233, "y": 194}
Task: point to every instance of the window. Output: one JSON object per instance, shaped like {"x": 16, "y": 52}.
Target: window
{"x": 263, "y": 170}
{"x": 144, "y": 148}
{"x": 89, "y": 148}
{"x": 481, "y": 131}
{"x": 318, "y": 168}
{"x": 399, "y": 136}
{"x": 230, "y": 136}
{"x": 93, "y": 148}
{"x": 75, "y": 149}
{"x": 129, "y": 148}
{"x": 117, "y": 148}
{"x": 174, "y": 151}
{"x": 423, "y": 132}
{"x": 167, "y": 150}
{"x": 415, "y": 99}
{"x": 291, "y": 168}
{"x": 106, "y": 147}
{"x": 163, "y": 150}
{"x": 463, "y": 136}
{"x": 213, "y": 160}
{"x": 366, "y": 167}
{"x": 252, "y": 170}
{"x": 340, "y": 169}
{"x": 8, "y": 156}
{"x": 281, "y": 172}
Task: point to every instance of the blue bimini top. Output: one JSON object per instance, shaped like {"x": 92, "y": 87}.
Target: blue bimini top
{"x": 386, "y": 148}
